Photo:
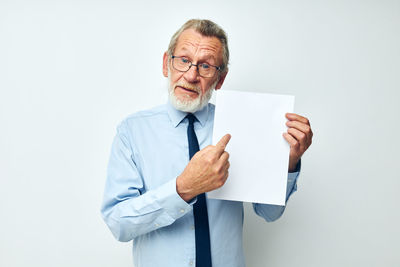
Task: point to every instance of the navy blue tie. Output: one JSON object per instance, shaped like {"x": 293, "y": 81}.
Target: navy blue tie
{"x": 202, "y": 234}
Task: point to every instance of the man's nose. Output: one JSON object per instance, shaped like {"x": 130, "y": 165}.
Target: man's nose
{"x": 192, "y": 75}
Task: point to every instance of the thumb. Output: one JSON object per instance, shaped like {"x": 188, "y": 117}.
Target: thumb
{"x": 221, "y": 145}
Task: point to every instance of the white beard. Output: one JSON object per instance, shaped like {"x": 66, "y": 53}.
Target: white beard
{"x": 188, "y": 104}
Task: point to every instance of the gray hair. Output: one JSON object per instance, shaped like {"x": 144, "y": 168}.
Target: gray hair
{"x": 206, "y": 28}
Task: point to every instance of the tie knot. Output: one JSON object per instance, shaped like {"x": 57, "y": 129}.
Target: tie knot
{"x": 191, "y": 118}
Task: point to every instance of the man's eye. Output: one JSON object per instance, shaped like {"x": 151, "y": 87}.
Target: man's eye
{"x": 205, "y": 66}
{"x": 184, "y": 60}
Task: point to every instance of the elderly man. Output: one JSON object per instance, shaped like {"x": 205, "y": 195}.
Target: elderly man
{"x": 162, "y": 165}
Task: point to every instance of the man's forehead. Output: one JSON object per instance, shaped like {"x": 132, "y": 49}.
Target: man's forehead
{"x": 191, "y": 40}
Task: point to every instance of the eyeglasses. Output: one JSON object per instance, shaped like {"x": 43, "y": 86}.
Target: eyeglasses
{"x": 183, "y": 64}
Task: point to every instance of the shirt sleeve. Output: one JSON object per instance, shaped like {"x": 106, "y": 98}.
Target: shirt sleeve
{"x": 127, "y": 209}
{"x": 273, "y": 212}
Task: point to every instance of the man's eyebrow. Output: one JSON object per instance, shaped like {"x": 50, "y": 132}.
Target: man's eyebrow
{"x": 205, "y": 57}
{"x": 209, "y": 56}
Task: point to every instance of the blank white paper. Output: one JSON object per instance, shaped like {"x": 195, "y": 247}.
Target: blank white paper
{"x": 259, "y": 154}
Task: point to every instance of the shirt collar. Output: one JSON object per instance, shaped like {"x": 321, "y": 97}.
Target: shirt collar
{"x": 177, "y": 116}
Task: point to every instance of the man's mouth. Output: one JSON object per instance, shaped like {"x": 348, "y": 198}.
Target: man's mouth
{"x": 187, "y": 89}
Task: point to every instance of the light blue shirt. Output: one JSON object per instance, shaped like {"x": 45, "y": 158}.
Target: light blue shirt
{"x": 141, "y": 203}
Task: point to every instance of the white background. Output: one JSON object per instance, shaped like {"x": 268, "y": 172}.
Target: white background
{"x": 71, "y": 70}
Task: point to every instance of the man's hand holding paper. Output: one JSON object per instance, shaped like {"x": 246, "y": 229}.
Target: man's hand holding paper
{"x": 299, "y": 136}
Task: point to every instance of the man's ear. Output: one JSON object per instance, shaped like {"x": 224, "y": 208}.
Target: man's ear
{"x": 165, "y": 65}
{"x": 221, "y": 80}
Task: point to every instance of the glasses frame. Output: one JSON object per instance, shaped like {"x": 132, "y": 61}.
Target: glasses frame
{"x": 218, "y": 68}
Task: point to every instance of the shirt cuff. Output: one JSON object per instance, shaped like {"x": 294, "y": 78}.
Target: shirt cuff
{"x": 291, "y": 184}
{"x": 171, "y": 201}
{"x": 292, "y": 181}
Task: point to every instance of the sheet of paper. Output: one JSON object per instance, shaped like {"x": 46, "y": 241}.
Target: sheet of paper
{"x": 259, "y": 154}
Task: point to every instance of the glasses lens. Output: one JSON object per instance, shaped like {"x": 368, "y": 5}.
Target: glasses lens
{"x": 180, "y": 63}
{"x": 206, "y": 70}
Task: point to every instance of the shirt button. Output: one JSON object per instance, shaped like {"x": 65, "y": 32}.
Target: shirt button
{"x": 192, "y": 227}
{"x": 156, "y": 224}
{"x": 190, "y": 262}
{"x": 182, "y": 210}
